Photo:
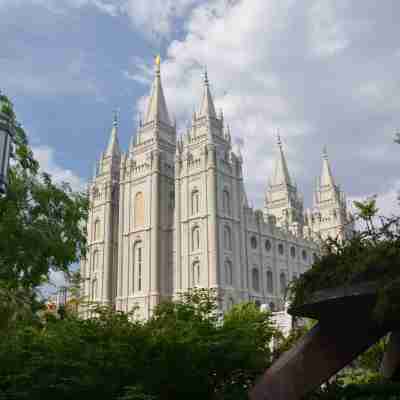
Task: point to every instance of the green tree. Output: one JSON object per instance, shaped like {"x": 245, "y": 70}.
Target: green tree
{"x": 41, "y": 223}
{"x": 180, "y": 353}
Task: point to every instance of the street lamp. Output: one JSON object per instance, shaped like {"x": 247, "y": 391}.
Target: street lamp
{"x": 6, "y": 134}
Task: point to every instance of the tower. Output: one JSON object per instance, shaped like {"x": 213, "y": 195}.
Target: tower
{"x": 146, "y": 209}
{"x": 207, "y": 218}
{"x": 329, "y": 217}
{"x": 98, "y": 269}
{"x": 282, "y": 200}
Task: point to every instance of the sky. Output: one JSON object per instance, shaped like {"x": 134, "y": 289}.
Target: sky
{"x": 318, "y": 72}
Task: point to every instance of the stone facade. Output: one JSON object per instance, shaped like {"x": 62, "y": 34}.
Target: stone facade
{"x": 172, "y": 213}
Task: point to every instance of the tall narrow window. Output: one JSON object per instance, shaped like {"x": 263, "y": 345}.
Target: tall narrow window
{"x": 139, "y": 209}
{"x": 196, "y": 273}
{"x": 196, "y": 238}
{"x": 137, "y": 267}
{"x": 226, "y": 202}
{"x": 227, "y": 238}
{"x": 195, "y": 202}
{"x": 256, "y": 279}
{"x": 94, "y": 289}
{"x": 95, "y": 261}
{"x": 96, "y": 230}
{"x": 282, "y": 280}
{"x": 228, "y": 273}
{"x": 270, "y": 282}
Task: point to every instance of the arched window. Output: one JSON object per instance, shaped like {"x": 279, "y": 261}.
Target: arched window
{"x": 228, "y": 273}
{"x": 304, "y": 255}
{"x": 137, "y": 273}
{"x": 139, "y": 209}
{"x": 195, "y": 202}
{"x": 196, "y": 273}
{"x": 253, "y": 242}
{"x": 227, "y": 238}
{"x": 280, "y": 248}
{"x": 94, "y": 289}
{"x": 96, "y": 230}
{"x": 270, "y": 282}
{"x": 195, "y": 238}
{"x": 256, "y": 279}
{"x": 293, "y": 252}
{"x": 282, "y": 280}
{"x": 95, "y": 261}
{"x": 226, "y": 202}
{"x": 268, "y": 245}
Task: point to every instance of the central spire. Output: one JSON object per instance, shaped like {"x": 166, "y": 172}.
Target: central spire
{"x": 157, "y": 108}
{"x": 281, "y": 173}
{"x": 207, "y": 108}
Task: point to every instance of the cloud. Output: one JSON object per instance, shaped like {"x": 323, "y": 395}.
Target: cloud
{"x": 45, "y": 156}
{"x": 158, "y": 19}
{"x": 321, "y": 72}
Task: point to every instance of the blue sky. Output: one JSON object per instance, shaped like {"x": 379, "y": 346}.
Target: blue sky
{"x": 320, "y": 72}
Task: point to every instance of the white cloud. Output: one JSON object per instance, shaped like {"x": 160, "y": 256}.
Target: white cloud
{"x": 306, "y": 69}
{"x": 327, "y": 36}
{"x": 45, "y": 156}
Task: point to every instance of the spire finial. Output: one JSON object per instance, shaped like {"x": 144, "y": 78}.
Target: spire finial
{"x": 157, "y": 62}
{"x": 206, "y": 76}
{"x": 324, "y": 153}
{"x": 115, "y": 117}
{"x": 278, "y": 137}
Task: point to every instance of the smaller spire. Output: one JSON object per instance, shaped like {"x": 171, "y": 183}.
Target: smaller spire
{"x": 113, "y": 145}
{"x": 326, "y": 175}
{"x": 281, "y": 173}
{"x": 207, "y": 108}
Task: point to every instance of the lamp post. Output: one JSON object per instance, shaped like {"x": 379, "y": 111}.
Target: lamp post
{"x": 6, "y": 135}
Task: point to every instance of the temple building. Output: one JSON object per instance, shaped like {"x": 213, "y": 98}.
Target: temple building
{"x": 171, "y": 213}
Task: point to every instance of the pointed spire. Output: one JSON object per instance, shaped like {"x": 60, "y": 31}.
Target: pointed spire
{"x": 281, "y": 173}
{"x": 113, "y": 145}
{"x": 326, "y": 175}
{"x": 157, "y": 108}
{"x": 207, "y": 108}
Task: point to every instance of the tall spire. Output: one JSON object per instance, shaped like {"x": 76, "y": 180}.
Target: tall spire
{"x": 281, "y": 173}
{"x": 326, "y": 175}
{"x": 113, "y": 145}
{"x": 207, "y": 108}
{"x": 157, "y": 108}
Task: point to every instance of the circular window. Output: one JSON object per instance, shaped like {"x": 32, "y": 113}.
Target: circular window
{"x": 304, "y": 255}
{"x": 253, "y": 242}
{"x": 267, "y": 245}
{"x": 293, "y": 252}
{"x": 280, "y": 248}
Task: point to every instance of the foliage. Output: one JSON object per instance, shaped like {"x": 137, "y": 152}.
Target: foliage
{"x": 179, "y": 353}
{"x": 370, "y": 391}
{"x": 40, "y": 222}
{"x": 372, "y": 255}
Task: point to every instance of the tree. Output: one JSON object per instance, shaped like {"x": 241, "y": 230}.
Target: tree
{"x": 41, "y": 223}
{"x": 180, "y": 353}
